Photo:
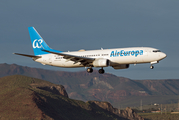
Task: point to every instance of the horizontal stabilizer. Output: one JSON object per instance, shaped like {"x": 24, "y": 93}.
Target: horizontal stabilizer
{"x": 32, "y": 56}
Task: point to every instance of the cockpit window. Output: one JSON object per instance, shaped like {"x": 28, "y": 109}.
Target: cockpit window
{"x": 156, "y": 51}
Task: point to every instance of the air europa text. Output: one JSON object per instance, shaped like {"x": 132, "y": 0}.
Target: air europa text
{"x": 126, "y": 53}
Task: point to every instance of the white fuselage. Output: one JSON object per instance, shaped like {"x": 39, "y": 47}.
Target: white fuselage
{"x": 118, "y": 56}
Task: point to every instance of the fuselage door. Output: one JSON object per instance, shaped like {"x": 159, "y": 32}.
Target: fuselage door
{"x": 145, "y": 52}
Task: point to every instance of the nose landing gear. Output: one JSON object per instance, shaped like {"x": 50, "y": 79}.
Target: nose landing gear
{"x": 151, "y": 67}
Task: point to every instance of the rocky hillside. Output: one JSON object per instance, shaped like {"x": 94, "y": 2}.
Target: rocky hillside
{"x": 107, "y": 87}
{"x": 24, "y": 97}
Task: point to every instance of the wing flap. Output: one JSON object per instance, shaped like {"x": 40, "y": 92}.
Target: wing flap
{"x": 85, "y": 61}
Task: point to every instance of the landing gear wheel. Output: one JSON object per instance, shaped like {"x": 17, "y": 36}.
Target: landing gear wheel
{"x": 151, "y": 67}
{"x": 101, "y": 71}
{"x": 89, "y": 70}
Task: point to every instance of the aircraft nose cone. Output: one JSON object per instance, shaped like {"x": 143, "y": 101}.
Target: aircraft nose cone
{"x": 163, "y": 55}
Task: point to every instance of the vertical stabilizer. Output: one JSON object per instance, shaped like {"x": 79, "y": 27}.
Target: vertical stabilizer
{"x": 37, "y": 42}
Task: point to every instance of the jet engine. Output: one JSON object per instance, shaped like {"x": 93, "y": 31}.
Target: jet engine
{"x": 101, "y": 62}
{"x": 122, "y": 66}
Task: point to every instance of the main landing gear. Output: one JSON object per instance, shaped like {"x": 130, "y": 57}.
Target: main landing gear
{"x": 90, "y": 70}
{"x": 101, "y": 71}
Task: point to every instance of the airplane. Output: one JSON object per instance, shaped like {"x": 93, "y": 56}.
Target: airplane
{"x": 118, "y": 58}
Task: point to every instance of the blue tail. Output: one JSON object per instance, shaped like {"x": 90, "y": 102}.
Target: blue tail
{"x": 38, "y": 44}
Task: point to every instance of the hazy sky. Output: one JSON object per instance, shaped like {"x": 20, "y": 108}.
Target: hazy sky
{"x": 70, "y": 25}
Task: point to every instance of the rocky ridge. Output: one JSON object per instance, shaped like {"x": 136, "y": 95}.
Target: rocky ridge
{"x": 23, "y": 97}
{"x": 128, "y": 113}
{"x": 57, "y": 89}
{"x": 106, "y": 87}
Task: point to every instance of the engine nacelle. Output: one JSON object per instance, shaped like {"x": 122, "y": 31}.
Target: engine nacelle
{"x": 101, "y": 62}
{"x": 123, "y": 66}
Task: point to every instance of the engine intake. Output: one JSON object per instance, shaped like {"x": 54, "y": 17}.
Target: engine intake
{"x": 101, "y": 62}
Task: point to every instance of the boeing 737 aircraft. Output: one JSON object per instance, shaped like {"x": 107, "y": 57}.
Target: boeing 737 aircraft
{"x": 118, "y": 58}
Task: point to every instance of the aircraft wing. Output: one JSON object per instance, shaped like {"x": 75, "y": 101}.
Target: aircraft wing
{"x": 83, "y": 60}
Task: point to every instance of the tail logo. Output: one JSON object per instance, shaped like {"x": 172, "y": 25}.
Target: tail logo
{"x": 37, "y": 43}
